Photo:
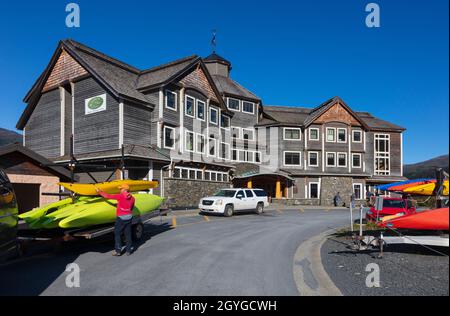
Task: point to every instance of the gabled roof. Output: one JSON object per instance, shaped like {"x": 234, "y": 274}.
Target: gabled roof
{"x": 216, "y": 58}
{"x": 41, "y": 161}
{"x": 285, "y": 115}
{"x": 232, "y": 88}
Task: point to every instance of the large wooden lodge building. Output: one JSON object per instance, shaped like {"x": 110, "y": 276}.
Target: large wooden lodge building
{"x": 189, "y": 125}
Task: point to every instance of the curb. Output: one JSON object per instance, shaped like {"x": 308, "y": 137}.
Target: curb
{"x": 310, "y": 276}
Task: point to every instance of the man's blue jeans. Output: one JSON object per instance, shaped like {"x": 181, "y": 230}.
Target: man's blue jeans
{"x": 123, "y": 226}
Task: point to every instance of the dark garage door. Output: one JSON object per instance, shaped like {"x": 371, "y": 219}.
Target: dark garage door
{"x": 27, "y": 196}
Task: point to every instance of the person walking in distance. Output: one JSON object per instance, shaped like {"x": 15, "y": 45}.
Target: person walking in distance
{"x": 124, "y": 212}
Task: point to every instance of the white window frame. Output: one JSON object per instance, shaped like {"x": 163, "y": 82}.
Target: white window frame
{"x": 382, "y": 154}
{"x": 229, "y": 122}
{"x": 209, "y": 147}
{"x": 260, "y": 157}
{"x": 309, "y": 158}
{"x": 229, "y": 151}
{"x": 186, "y": 142}
{"x": 204, "y": 110}
{"x": 318, "y": 134}
{"x": 337, "y": 160}
{"x": 360, "y": 161}
{"x": 237, "y": 154}
{"x": 326, "y": 159}
{"x": 353, "y": 136}
{"x": 248, "y": 129}
{"x": 217, "y": 116}
{"x": 194, "y": 105}
{"x": 318, "y": 190}
{"x": 239, "y": 104}
{"x": 292, "y": 128}
{"x": 253, "y": 103}
{"x": 361, "y": 187}
{"x": 176, "y": 100}
{"x": 337, "y": 135}
{"x": 239, "y": 129}
{"x": 196, "y": 143}
{"x": 292, "y": 152}
{"x": 326, "y": 135}
{"x": 174, "y": 137}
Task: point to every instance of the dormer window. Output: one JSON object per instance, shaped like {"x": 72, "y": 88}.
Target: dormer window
{"x": 234, "y": 104}
{"x": 248, "y": 107}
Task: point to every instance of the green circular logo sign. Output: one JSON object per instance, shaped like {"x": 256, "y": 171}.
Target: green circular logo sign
{"x": 95, "y": 103}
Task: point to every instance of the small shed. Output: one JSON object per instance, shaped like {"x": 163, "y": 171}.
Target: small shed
{"x": 31, "y": 175}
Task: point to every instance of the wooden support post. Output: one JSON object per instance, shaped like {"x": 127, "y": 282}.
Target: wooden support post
{"x": 278, "y": 194}
{"x": 249, "y": 184}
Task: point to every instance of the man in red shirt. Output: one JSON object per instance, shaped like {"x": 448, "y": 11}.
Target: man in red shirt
{"x": 125, "y": 204}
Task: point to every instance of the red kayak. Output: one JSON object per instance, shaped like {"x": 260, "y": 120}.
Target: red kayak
{"x": 436, "y": 219}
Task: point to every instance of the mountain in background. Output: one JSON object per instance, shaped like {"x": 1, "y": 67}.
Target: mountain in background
{"x": 426, "y": 169}
{"x": 9, "y": 137}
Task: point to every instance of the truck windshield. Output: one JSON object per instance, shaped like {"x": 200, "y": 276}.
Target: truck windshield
{"x": 394, "y": 203}
{"x": 225, "y": 193}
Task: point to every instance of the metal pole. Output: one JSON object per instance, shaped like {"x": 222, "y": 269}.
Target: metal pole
{"x": 351, "y": 217}
{"x": 360, "y": 221}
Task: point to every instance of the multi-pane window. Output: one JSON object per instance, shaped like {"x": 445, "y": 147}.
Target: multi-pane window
{"x": 292, "y": 134}
{"x": 331, "y": 134}
{"x": 233, "y": 104}
{"x": 198, "y": 174}
{"x": 313, "y": 159}
{"x": 357, "y": 136}
{"x": 248, "y": 134}
{"x": 356, "y": 161}
{"x": 342, "y": 135}
{"x": 212, "y": 147}
{"x": 200, "y": 144}
{"x": 213, "y": 116}
{"x": 169, "y": 137}
{"x": 292, "y": 158}
{"x": 236, "y": 132}
{"x": 171, "y": 100}
{"x": 313, "y": 190}
{"x": 313, "y": 134}
{"x": 190, "y": 102}
{"x": 382, "y": 154}
{"x": 342, "y": 159}
{"x": 248, "y": 107}
{"x": 189, "y": 141}
{"x": 224, "y": 121}
{"x": 358, "y": 191}
{"x": 234, "y": 155}
{"x": 225, "y": 151}
{"x": 200, "y": 110}
{"x": 331, "y": 159}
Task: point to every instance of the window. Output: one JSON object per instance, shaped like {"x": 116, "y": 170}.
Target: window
{"x": 342, "y": 160}
{"x": 356, "y": 160}
{"x": 236, "y": 132}
{"x": 258, "y": 157}
{"x": 358, "y": 191}
{"x": 242, "y": 155}
{"x": 199, "y": 174}
{"x": 250, "y": 156}
{"x": 313, "y": 159}
{"x": 213, "y": 176}
{"x": 189, "y": 141}
{"x": 382, "y": 154}
{"x": 292, "y": 158}
{"x": 292, "y": 134}
{"x": 212, "y": 147}
{"x": 177, "y": 173}
{"x": 313, "y": 134}
{"x": 171, "y": 100}
{"x": 260, "y": 193}
{"x": 331, "y": 159}
{"x": 190, "y": 106}
{"x": 342, "y": 135}
{"x": 207, "y": 175}
{"x": 200, "y": 144}
{"x": 225, "y": 151}
{"x": 224, "y": 121}
{"x": 248, "y": 134}
{"x": 249, "y": 193}
{"x": 234, "y": 104}
{"x": 248, "y": 107}
{"x": 331, "y": 134}
{"x": 313, "y": 190}
{"x": 201, "y": 110}
{"x": 213, "y": 116}
{"x": 169, "y": 137}
{"x": 357, "y": 136}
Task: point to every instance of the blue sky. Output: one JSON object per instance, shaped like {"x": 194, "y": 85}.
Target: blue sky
{"x": 288, "y": 52}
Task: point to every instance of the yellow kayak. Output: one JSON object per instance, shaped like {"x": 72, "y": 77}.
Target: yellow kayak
{"x": 426, "y": 189}
{"x": 111, "y": 187}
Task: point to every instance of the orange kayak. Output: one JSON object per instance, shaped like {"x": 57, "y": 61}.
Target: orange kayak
{"x": 402, "y": 187}
{"x": 436, "y": 219}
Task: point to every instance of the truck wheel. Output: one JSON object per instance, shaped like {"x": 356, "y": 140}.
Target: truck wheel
{"x": 259, "y": 208}
{"x": 137, "y": 231}
{"x": 228, "y": 211}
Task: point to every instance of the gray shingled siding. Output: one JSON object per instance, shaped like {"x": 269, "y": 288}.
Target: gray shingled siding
{"x": 67, "y": 122}
{"x": 43, "y": 128}
{"x": 137, "y": 125}
{"x": 154, "y": 115}
{"x": 97, "y": 131}
{"x": 171, "y": 116}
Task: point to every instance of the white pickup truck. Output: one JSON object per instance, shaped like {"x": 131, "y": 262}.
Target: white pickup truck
{"x": 230, "y": 201}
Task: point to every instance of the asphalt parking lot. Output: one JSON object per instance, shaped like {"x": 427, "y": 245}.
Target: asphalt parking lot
{"x": 189, "y": 255}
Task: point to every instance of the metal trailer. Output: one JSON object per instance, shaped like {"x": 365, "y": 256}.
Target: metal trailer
{"x": 56, "y": 236}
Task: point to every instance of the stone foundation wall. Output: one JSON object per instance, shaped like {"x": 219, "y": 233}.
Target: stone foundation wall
{"x": 293, "y": 202}
{"x": 332, "y": 185}
{"x": 187, "y": 193}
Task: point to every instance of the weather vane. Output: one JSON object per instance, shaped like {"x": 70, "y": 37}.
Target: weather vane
{"x": 213, "y": 41}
